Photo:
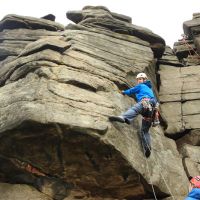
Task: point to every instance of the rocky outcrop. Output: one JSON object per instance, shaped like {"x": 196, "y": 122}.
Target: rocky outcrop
{"x": 179, "y": 96}
{"x": 58, "y": 87}
{"x": 187, "y": 49}
{"x": 16, "y": 21}
{"x": 101, "y": 18}
{"x": 179, "y": 90}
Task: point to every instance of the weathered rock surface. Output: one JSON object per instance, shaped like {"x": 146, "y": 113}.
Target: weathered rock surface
{"x": 179, "y": 94}
{"x": 58, "y": 87}
{"x": 19, "y": 192}
{"x": 188, "y": 48}
{"x": 169, "y": 58}
{"x": 191, "y": 27}
{"x": 101, "y": 18}
{"x": 16, "y": 21}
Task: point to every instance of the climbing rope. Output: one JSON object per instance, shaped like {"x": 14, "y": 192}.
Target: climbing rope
{"x": 165, "y": 181}
{"x": 151, "y": 183}
{"x": 157, "y": 164}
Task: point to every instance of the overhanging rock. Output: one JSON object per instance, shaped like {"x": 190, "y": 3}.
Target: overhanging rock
{"x": 57, "y": 92}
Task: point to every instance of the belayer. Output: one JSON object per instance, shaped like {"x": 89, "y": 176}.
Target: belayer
{"x": 146, "y": 105}
{"x": 194, "y": 189}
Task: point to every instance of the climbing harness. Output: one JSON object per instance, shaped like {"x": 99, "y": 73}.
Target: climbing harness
{"x": 151, "y": 112}
{"x": 147, "y": 109}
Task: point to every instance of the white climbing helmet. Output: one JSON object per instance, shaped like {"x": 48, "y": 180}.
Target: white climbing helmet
{"x": 141, "y": 75}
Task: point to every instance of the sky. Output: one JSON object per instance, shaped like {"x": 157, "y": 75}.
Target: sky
{"x": 163, "y": 17}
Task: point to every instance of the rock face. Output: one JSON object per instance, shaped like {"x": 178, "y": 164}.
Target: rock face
{"x": 58, "y": 87}
{"x": 179, "y": 95}
{"x": 19, "y": 192}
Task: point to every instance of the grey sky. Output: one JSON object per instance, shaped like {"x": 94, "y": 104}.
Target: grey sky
{"x": 163, "y": 17}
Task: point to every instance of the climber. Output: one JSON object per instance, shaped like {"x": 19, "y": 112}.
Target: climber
{"x": 194, "y": 189}
{"x": 146, "y": 106}
{"x": 184, "y": 37}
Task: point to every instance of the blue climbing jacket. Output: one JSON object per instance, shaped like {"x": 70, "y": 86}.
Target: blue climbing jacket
{"x": 194, "y": 194}
{"x": 141, "y": 90}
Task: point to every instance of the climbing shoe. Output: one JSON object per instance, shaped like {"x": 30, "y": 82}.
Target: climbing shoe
{"x": 127, "y": 121}
{"x": 147, "y": 151}
{"x": 117, "y": 119}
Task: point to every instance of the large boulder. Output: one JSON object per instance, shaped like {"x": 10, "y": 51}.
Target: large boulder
{"x": 57, "y": 92}
{"x": 100, "y": 17}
